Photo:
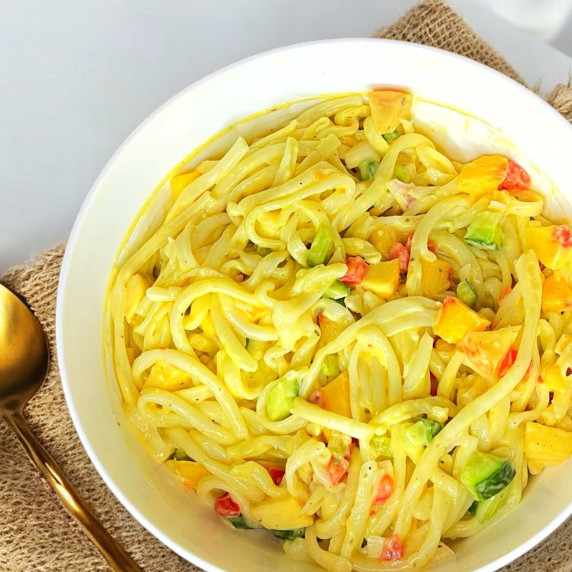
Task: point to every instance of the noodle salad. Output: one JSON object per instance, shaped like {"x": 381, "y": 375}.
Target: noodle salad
{"x": 342, "y": 336}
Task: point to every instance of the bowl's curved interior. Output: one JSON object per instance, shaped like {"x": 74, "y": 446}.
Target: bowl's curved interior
{"x": 515, "y": 122}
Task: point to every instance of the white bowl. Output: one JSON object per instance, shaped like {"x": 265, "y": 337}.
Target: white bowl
{"x": 498, "y": 115}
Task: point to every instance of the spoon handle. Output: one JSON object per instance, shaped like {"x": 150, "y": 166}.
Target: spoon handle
{"x": 117, "y": 558}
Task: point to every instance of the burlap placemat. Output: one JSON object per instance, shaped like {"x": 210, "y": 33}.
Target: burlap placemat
{"x": 36, "y": 534}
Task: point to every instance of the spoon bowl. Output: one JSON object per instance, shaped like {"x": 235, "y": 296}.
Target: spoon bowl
{"x": 24, "y": 360}
{"x": 24, "y": 356}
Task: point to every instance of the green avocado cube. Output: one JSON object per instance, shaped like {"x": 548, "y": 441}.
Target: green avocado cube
{"x": 337, "y": 290}
{"x": 485, "y": 475}
{"x": 281, "y": 398}
{"x": 320, "y": 246}
{"x": 485, "y": 231}
{"x": 467, "y": 293}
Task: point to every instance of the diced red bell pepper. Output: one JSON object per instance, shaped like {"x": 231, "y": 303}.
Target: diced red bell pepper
{"x": 392, "y": 549}
{"x": 276, "y": 474}
{"x": 400, "y": 252}
{"x": 562, "y": 235}
{"x": 506, "y": 362}
{"x": 225, "y": 506}
{"x": 505, "y": 292}
{"x": 409, "y": 242}
{"x": 357, "y": 269}
{"x": 337, "y": 468}
{"x": 385, "y": 489}
{"x": 517, "y": 179}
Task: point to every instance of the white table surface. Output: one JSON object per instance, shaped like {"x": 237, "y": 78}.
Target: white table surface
{"x": 77, "y": 77}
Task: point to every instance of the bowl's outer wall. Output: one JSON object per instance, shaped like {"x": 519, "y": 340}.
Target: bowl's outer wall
{"x": 539, "y": 138}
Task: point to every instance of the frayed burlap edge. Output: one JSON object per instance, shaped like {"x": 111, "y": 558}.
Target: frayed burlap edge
{"x": 561, "y": 99}
{"x": 434, "y": 23}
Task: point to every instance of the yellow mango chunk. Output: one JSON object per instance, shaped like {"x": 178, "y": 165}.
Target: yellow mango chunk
{"x": 552, "y": 244}
{"x": 383, "y": 238}
{"x": 546, "y": 446}
{"x": 382, "y": 278}
{"x": 208, "y": 326}
{"x": 554, "y": 380}
{"x": 181, "y": 182}
{"x": 336, "y": 395}
{"x": 556, "y": 294}
{"x": 486, "y": 351}
{"x": 165, "y": 376}
{"x": 455, "y": 320}
{"x": 282, "y": 513}
{"x": 436, "y": 277}
{"x": 483, "y": 175}
{"x": 329, "y": 330}
{"x": 388, "y": 108}
{"x": 135, "y": 292}
{"x": 200, "y": 314}
{"x": 189, "y": 472}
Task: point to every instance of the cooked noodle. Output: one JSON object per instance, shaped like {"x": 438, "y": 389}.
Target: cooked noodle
{"x": 227, "y": 310}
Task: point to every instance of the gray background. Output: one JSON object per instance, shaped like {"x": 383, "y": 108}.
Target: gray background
{"x": 77, "y": 77}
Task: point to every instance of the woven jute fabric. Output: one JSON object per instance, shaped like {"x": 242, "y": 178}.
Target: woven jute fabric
{"x": 435, "y": 24}
{"x": 36, "y": 534}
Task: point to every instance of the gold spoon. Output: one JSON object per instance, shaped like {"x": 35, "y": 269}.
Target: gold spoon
{"x": 23, "y": 366}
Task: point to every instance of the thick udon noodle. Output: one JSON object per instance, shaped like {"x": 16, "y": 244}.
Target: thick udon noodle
{"x": 219, "y": 305}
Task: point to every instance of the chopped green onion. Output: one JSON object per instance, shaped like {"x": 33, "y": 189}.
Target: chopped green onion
{"x": 263, "y": 250}
{"x": 391, "y": 137}
{"x": 238, "y": 522}
{"x": 339, "y": 444}
{"x": 179, "y": 455}
{"x": 381, "y": 445}
{"x": 367, "y": 169}
{"x": 331, "y": 366}
{"x": 431, "y": 427}
{"x": 289, "y": 534}
{"x": 404, "y": 173}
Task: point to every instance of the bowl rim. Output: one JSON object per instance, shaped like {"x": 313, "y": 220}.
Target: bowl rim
{"x": 75, "y": 235}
